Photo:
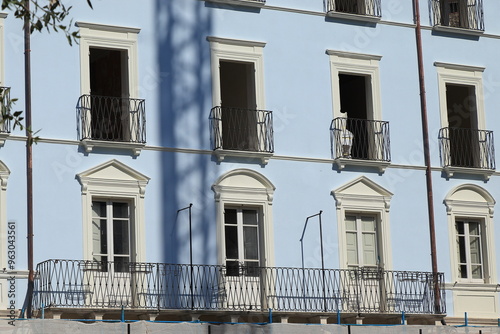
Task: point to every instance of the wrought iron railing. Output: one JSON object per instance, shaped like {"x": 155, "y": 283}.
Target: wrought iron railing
{"x": 466, "y": 14}
{"x": 359, "y": 7}
{"x": 88, "y": 284}
{"x": 242, "y": 129}
{"x": 5, "y": 106}
{"x": 111, "y": 119}
{"x": 360, "y": 139}
{"x": 470, "y": 148}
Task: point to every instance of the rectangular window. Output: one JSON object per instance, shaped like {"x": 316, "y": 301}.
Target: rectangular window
{"x": 242, "y": 241}
{"x": 111, "y": 234}
{"x": 362, "y": 241}
{"x": 469, "y": 249}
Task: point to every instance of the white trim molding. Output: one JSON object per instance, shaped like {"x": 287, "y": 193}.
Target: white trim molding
{"x": 479, "y": 298}
{"x": 245, "y": 187}
{"x": 114, "y": 180}
{"x": 362, "y": 195}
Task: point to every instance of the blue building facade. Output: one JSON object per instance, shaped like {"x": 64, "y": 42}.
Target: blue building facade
{"x": 227, "y": 157}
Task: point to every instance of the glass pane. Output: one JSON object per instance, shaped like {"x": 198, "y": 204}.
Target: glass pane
{"x": 102, "y": 263}
{"x": 352, "y": 249}
{"x": 462, "y": 258}
{"x": 230, "y": 216}
{"x": 121, "y": 264}
{"x": 250, "y": 217}
{"x": 477, "y": 271}
{"x": 460, "y": 227}
{"x": 368, "y": 223}
{"x": 250, "y": 238}
{"x": 462, "y": 269}
{"x": 120, "y": 210}
{"x": 99, "y": 236}
{"x": 231, "y": 242}
{"x": 252, "y": 269}
{"x": 98, "y": 209}
{"x": 369, "y": 249}
{"x": 232, "y": 268}
{"x": 475, "y": 250}
{"x": 120, "y": 237}
{"x": 474, "y": 228}
{"x": 350, "y": 222}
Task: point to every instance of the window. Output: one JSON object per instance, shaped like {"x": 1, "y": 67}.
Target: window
{"x": 357, "y": 111}
{"x": 363, "y": 224}
{"x": 364, "y": 10}
{"x": 465, "y": 14}
{"x": 113, "y": 214}
{"x": 111, "y": 231}
{"x": 240, "y": 125}
{"x": 470, "y": 211}
{"x": 464, "y": 142}
{"x": 361, "y": 241}
{"x": 109, "y": 112}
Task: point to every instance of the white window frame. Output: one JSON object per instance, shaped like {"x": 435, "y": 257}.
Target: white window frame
{"x": 93, "y": 35}
{"x": 468, "y": 263}
{"x": 464, "y": 75}
{"x": 252, "y": 52}
{"x": 113, "y": 180}
{"x": 477, "y": 297}
{"x": 359, "y": 232}
{"x": 343, "y": 62}
{"x": 246, "y": 188}
{"x": 363, "y": 196}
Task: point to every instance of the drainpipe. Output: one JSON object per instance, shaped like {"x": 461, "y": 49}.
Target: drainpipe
{"x": 428, "y": 175}
{"x": 29, "y": 158}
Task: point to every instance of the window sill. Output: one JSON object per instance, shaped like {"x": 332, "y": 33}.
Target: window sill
{"x": 90, "y": 144}
{"x": 262, "y": 156}
{"x": 472, "y": 286}
{"x": 3, "y": 137}
{"x": 343, "y": 162}
{"x": 247, "y": 3}
{"x": 450, "y": 171}
{"x": 353, "y": 17}
{"x": 460, "y": 31}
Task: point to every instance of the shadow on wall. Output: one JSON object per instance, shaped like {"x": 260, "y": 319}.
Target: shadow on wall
{"x": 184, "y": 104}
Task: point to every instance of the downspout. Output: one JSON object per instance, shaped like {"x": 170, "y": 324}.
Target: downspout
{"x": 427, "y": 157}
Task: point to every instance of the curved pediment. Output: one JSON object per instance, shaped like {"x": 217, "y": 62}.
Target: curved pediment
{"x": 470, "y": 193}
{"x": 244, "y": 178}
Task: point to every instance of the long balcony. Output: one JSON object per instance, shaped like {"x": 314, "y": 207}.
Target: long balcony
{"x": 458, "y": 14}
{"x": 78, "y": 284}
{"x": 5, "y": 105}
{"x": 369, "y": 8}
{"x": 360, "y": 139}
{"x": 113, "y": 119}
{"x": 242, "y": 130}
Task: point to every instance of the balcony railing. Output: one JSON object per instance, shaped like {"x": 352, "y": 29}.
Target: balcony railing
{"x": 360, "y": 139}
{"x": 242, "y": 129}
{"x": 359, "y": 7}
{"x": 464, "y": 14}
{"x": 159, "y": 286}
{"x": 5, "y": 105}
{"x": 111, "y": 119}
{"x": 468, "y": 148}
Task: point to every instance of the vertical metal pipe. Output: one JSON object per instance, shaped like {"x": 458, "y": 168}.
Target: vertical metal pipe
{"x": 425, "y": 135}
{"x": 29, "y": 156}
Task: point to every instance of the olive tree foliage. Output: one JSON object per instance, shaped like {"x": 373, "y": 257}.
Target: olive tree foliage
{"x": 48, "y": 15}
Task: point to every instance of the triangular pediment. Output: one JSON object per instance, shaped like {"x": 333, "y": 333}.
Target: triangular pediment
{"x": 113, "y": 170}
{"x": 362, "y": 186}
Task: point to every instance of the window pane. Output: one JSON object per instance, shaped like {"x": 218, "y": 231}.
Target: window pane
{"x": 232, "y": 268}
{"x": 350, "y": 222}
{"x": 99, "y": 236}
{"x": 231, "y": 242}
{"x": 462, "y": 269}
{"x": 368, "y": 223}
{"x": 230, "y": 216}
{"x": 120, "y": 237}
{"x": 460, "y": 227}
{"x": 121, "y": 264}
{"x": 352, "y": 249}
{"x": 250, "y": 239}
{"x": 474, "y": 228}
{"x": 99, "y": 209}
{"x": 462, "y": 258}
{"x": 369, "y": 249}
{"x": 102, "y": 263}
{"x": 120, "y": 210}
{"x": 477, "y": 271}
{"x": 475, "y": 250}
{"x": 252, "y": 269}
{"x": 250, "y": 217}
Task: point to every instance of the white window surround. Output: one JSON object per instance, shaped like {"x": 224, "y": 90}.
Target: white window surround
{"x": 109, "y": 37}
{"x": 246, "y": 188}
{"x": 468, "y": 76}
{"x": 114, "y": 180}
{"x": 342, "y": 62}
{"x": 362, "y": 195}
{"x": 473, "y": 202}
{"x": 240, "y": 51}
{"x": 247, "y": 3}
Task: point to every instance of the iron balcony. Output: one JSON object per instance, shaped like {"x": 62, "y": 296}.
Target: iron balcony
{"x": 364, "y": 7}
{"x": 111, "y": 119}
{"x": 78, "y": 284}
{"x": 5, "y": 105}
{"x": 468, "y": 148}
{"x": 242, "y": 129}
{"x": 458, "y": 14}
{"x": 360, "y": 139}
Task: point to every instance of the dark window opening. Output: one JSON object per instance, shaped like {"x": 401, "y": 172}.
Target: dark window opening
{"x": 350, "y": 6}
{"x": 454, "y": 13}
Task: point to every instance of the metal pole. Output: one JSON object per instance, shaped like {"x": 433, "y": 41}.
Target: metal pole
{"x": 322, "y": 260}
{"x": 191, "y": 257}
{"x": 29, "y": 156}
{"x": 425, "y": 134}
